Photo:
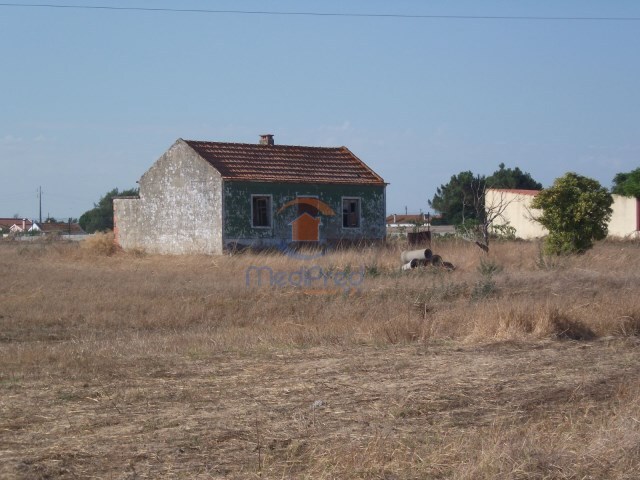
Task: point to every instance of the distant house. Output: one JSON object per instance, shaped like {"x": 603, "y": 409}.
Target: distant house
{"x": 397, "y": 220}
{"x": 15, "y": 225}
{"x": 22, "y": 225}
{"x": 201, "y": 197}
{"x": 401, "y": 224}
{"x": 624, "y": 223}
{"x": 59, "y": 228}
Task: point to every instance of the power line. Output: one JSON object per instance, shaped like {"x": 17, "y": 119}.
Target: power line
{"x": 322, "y": 14}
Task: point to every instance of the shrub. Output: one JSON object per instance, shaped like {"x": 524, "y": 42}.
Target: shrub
{"x": 100, "y": 244}
{"x": 576, "y": 211}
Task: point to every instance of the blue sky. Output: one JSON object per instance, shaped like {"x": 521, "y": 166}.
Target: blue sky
{"x": 89, "y": 99}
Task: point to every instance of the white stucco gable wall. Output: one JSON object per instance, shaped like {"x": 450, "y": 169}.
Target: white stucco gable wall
{"x": 179, "y": 209}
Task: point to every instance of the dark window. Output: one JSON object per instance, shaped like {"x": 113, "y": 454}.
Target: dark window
{"x": 261, "y": 211}
{"x": 350, "y": 212}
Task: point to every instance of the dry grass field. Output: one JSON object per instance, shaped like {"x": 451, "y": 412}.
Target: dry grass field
{"x": 140, "y": 366}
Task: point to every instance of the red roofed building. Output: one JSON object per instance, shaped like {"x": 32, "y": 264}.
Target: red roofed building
{"x": 200, "y": 197}
{"x": 15, "y": 225}
{"x": 60, "y": 228}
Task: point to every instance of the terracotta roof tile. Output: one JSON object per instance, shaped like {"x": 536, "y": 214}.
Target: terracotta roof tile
{"x": 61, "y": 227}
{"x": 285, "y": 163}
{"x": 9, "y": 222}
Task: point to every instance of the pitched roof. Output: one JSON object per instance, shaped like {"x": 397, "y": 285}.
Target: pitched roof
{"x": 61, "y": 227}
{"x": 286, "y": 163}
{"x": 9, "y": 222}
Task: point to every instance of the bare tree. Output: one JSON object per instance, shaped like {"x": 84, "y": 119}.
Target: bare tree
{"x": 487, "y": 212}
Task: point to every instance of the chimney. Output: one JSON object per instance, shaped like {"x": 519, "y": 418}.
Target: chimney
{"x": 24, "y": 224}
{"x": 266, "y": 139}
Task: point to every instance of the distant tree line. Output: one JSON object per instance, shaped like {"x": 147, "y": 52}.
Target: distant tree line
{"x": 576, "y": 209}
{"x": 627, "y": 184}
{"x": 100, "y": 217}
{"x": 462, "y": 199}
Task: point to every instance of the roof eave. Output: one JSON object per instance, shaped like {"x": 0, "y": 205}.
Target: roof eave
{"x": 304, "y": 182}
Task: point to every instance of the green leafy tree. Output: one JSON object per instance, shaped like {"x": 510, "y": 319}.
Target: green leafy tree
{"x": 575, "y": 211}
{"x": 512, "y": 178}
{"x": 462, "y": 201}
{"x": 458, "y": 200}
{"x": 100, "y": 217}
{"x": 627, "y": 184}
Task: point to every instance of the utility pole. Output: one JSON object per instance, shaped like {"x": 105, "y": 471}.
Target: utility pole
{"x": 40, "y": 201}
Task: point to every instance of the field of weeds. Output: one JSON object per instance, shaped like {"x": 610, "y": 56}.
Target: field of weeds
{"x": 513, "y": 365}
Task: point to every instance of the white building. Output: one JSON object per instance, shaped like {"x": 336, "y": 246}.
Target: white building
{"x": 625, "y": 220}
{"x": 517, "y": 212}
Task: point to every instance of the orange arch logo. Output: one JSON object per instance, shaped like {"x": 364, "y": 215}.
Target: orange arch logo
{"x": 306, "y": 226}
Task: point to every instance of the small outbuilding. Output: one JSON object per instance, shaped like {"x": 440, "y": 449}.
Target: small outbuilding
{"x": 203, "y": 197}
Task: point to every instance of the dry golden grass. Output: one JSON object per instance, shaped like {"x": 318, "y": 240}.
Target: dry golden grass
{"x": 122, "y": 365}
{"x": 100, "y": 243}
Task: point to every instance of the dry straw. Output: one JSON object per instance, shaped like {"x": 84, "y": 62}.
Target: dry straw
{"x": 511, "y": 366}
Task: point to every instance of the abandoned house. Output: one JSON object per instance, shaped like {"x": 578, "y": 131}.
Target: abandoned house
{"x": 203, "y": 197}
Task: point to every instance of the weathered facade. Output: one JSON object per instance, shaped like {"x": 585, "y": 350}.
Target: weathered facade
{"x": 179, "y": 209}
{"x": 203, "y": 197}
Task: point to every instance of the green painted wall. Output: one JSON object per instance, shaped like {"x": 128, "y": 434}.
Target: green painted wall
{"x": 237, "y": 211}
